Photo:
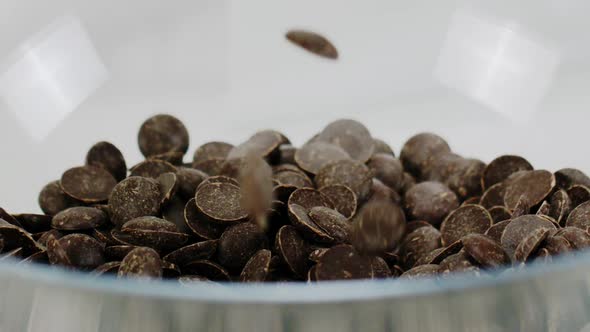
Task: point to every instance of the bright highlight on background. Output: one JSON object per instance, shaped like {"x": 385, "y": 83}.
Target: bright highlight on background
{"x": 50, "y": 75}
{"x": 496, "y": 64}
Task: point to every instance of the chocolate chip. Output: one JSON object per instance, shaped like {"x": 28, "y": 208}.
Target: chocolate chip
{"x": 187, "y": 254}
{"x": 430, "y": 201}
{"x": 34, "y": 223}
{"x": 56, "y": 254}
{"x": 380, "y": 191}
{"x": 15, "y": 237}
{"x": 522, "y": 207}
{"x": 149, "y": 223}
{"x": 188, "y": 181}
{"x": 118, "y": 252}
{"x": 141, "y": 263}
{"x": 352, "y": 136}
{"x": 83, "y": 251}
{"x": 308, "y": 198}
{"x": 287, "y": 154}
{"x": 160, "y": 240}
{"x": 535, "y": 186}
{"x": 350, "y": 173}
{"x": 107, "y": 268}
{"x": 170, "y": 270}
{"x": 199, "y": 224}
{"x": 378, "y": 226}
{"x": 342, "y": 262}
{"x": 213, "y": 166}
{"x": 313, "y": 43}
{"x": 499, "y": 213}
{"x": 152, "y": 168}
{"x": 294, "y": 179}
{"x": 174, "y": 158}
{"x": 577, "y": 238}
{"x": 38, "y": 257}
{"x": 52, "y": 199}
{"x": 578, "y": 194}
{"x": 568, "y": 177}
{"x": 134, "y": 197}
{"x": 342, "y": 197}
{"x": 466, "y": 180}
{"x": 408, "y": 182}
{"x": 168, "y": 183}
{"x": 495, "y": 232}
{"x": 414, "y": 225}
{"x": 471, "y": 200}
{"x": 560, "y": 206}
{"x": 219, "y": 179}
{"x": 429, "y": 258}
{"x": 207, "y": 269}
{"x": 556, "y": 245}
{"x": 381, "y": 147}
{"x": 299, "y": 217}
{"x": 579, "y": 217}
{"x": 312, "y": 157}
{"x": 162, "y": 133}
{"x": 419, "y": 243}
{"x": 315, "y": 255}
{"x": 220, "y": 202}
{"x": 212, "y": 150}
{"x": 388, "y": 169}
{"x": 421, "y": 271}
{"x": 107, "y": 156}
{"x": 529, "y": 244}
{"x": 42, "y": 240}
{"x": 262, "y": 144}
{"x": 379, "y": 268}
{"x": 544, "y": 209}
{"x": 79, "y": 218}
{"x": 238, "y": 243}
{"x": 89, "y": 184}
{"x": 331, "y": 222}
{"x": 501, "y": 168}
{"x": 468, "y": 219}
{"x": 485, "y": 250}
{"x": 174, "y": 213}
{"x": 293, "y": 250}
{"x": 188, "y": 280}
{"x": 493, "y": 196}
{"x": 519, "y": 228}
{"x": 257, "y": 268}
{"x": 459, "y": 262}
{"x": 420, "y": 150}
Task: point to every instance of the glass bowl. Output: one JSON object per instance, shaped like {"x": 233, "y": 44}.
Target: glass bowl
{"x": 493, "y": 78}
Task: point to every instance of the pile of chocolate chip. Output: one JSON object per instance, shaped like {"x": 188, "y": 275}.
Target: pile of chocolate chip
{"x": 341, "y": 206}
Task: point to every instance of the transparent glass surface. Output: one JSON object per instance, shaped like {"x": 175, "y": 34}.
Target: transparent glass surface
{"x": 493, "y": 78}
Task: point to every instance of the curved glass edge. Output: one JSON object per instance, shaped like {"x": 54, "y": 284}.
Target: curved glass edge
{"x": 292, "y": 292}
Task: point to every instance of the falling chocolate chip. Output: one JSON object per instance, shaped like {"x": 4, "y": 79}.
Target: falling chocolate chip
{"x": 313, "y": 43}
{"x": 378, "y": 226}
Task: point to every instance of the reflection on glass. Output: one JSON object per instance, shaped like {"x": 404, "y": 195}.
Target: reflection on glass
{"x": 50, "y": 75}
{"x": 497, "y": 64}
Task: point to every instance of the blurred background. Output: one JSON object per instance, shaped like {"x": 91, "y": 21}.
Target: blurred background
{"x": 493, "y": 78}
